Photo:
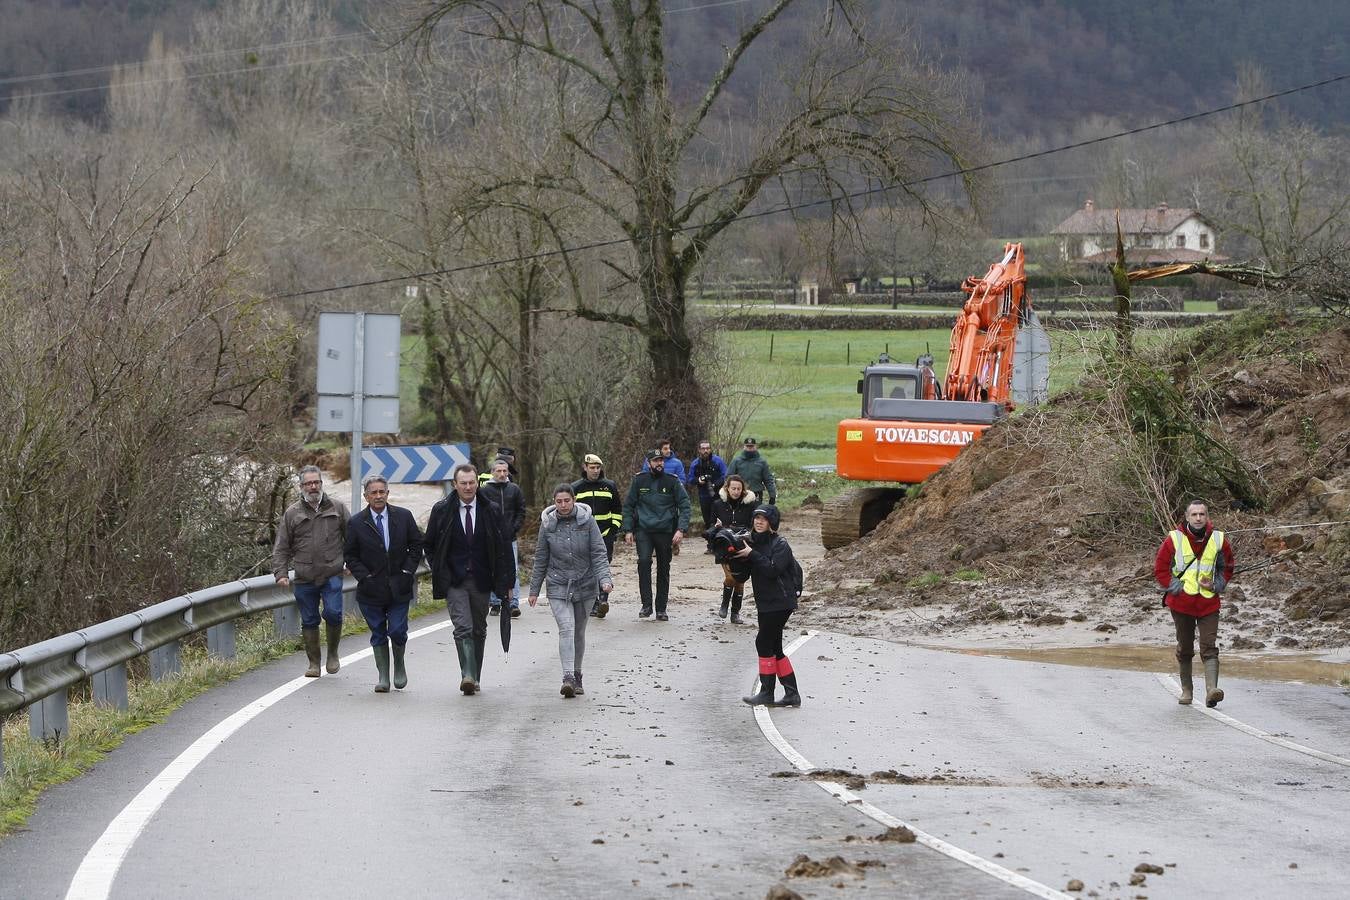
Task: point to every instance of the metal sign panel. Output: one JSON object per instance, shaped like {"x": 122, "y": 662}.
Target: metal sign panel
{"x": 402, "y": 465}
{"x": 337, "y": 354}
{"x": 1031, "y": 363}
{"x": 379, "y": 415}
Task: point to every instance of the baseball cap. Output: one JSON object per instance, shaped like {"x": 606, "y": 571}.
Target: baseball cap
{"x": 506, "y": 451}
{"x": 591, "y": 458}
{"x": 751, "y": 440}
{"x": 654, "y": 453}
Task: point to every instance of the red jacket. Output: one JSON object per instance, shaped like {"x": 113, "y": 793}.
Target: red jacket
{"x": 1191, "y": 604}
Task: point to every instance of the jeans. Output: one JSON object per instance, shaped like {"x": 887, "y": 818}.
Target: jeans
{"x": 493, "y": 599}
{"x": 658, "y": 543}
{"x": 571, "y": 618}
{"x": 387, "y": 623}
{"x": 307, "y": 597}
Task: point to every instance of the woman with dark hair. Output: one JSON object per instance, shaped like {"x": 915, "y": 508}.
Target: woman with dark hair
{"x": 773, "y": 573}
{"x": 570, "y": 559}
{"x": 734, "y": 508}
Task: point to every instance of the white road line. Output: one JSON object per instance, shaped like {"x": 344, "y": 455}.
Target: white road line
{"x": 1173, "y": 685}
{"x": 852, "y": 800}
{"x": 94, "y": 879}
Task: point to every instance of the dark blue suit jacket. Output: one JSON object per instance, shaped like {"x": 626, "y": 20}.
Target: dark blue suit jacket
{"x": 384, "y": 578}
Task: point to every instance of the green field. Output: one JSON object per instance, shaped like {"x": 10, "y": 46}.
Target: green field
{"x": 811, "y": 394}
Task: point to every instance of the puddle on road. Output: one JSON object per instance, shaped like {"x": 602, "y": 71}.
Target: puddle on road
{"x": 1309, "y": 668}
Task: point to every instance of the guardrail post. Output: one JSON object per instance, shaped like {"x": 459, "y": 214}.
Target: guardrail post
{"x": 220, "y": 640}
{"x": 110, "y": 686}
{"x": 164, "y": 661}
{"x": 286, "y": 620}
{"x": 49, "y": 717}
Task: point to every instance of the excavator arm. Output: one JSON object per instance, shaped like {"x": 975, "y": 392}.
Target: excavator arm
{"x": 980, "y": 364}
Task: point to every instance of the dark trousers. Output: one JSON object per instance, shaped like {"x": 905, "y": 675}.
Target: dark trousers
{"x": 1188, "y": 626}
{"x": 769, "y": 638}
{"x": 468, "y": 608}
{"x": 387, "y": 623}
{"x": 601, "y": 596}
{"x": 658, "y": 543}
{"x": 705, "y": 505}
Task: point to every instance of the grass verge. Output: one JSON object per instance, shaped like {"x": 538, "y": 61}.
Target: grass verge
{"x": 32, "y": 766}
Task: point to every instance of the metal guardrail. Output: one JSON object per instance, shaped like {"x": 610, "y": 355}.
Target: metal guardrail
{"x": 37, "y": 677}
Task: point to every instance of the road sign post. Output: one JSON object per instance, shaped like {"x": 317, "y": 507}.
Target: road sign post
{"x": 358, "y": 379}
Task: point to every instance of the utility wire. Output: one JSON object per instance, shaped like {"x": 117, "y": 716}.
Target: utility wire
{"x": 970, "y": 170}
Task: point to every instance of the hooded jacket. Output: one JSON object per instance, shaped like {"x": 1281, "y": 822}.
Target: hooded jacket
{"x": 771, "y": 572}
{"x": 570, "y": 557}
{"x": 754, "y": 468}
{"x": 735, "y": 514}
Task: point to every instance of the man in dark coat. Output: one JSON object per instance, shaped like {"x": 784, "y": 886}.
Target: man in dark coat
{"x": 602, "y": 496}
{"x": 469, "y": 549}
{"x": 383, "y": 549}
{"x": 655, "y": 518}
{"x": 510, "y": 500}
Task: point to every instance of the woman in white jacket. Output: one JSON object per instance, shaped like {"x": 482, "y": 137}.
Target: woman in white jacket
{"x": 570, "y": 560}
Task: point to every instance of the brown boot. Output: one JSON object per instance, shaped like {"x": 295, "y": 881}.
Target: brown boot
{"x": 1187, "y": 690}
{"x": 334, "y": 635}
{"x": 311, "y": 637}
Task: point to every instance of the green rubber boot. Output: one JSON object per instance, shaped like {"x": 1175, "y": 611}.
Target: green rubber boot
{"x": 468, "y": 682}
{"x": 382, "y": 667}
{"x": 1187, "y": 689}
{"x": 1213, "y": 693}
{"x": 400, "y": 673}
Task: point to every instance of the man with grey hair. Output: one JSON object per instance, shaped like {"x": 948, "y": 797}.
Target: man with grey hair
{"x": 309, "y": 539}
{"x": 383, "y": 550}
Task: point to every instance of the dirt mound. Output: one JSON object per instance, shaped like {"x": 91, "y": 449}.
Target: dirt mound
{"x": 1037, "y": 523}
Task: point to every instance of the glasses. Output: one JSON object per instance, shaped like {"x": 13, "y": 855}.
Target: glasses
{"x": 311, "y": 484}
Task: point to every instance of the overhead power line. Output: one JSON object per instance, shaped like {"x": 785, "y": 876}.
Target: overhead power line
{"x": 778, "y": 210}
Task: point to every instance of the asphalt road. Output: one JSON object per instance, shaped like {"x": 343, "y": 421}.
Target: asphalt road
{"x": 659, "y": 782}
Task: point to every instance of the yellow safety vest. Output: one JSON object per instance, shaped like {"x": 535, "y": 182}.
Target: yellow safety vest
{"x": 1191, "y": 573}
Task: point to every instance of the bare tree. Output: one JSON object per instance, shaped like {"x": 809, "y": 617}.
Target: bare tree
{"x": 670, "y": 177}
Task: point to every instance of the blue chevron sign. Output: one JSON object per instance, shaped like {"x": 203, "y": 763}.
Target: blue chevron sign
{"x": 402, "y": 465}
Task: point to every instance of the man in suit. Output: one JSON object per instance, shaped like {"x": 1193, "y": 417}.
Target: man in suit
{"x": 383, "y": 549}
{"x": 469, "y": 549}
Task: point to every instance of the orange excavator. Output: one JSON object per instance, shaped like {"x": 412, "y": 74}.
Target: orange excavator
{"x": 912, "y": 425}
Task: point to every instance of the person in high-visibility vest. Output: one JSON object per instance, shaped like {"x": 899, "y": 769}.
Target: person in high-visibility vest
{"x": 1193, "y": 565}
{"x": 602, "y": 496}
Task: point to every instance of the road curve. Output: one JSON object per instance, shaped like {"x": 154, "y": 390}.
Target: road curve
{"x": 658, "y": 782}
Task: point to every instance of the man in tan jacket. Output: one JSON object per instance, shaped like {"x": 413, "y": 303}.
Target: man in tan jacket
{"x": 310, "y": 538}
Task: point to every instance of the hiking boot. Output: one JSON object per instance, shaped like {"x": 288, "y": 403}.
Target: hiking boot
{"x": 662, "y": 617}
{"x": 311, "y": 637}
{"x": 580, "y": 689}
{"x": 645, "y": 612}
{"x": 515, "y": 610}
{"x": 569, "y": 686}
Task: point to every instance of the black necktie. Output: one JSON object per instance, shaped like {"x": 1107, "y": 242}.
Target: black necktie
{"x": 468, "y": 523}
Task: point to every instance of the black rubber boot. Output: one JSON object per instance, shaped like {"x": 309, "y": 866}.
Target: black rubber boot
{"x": 790, "y": 695}
{"x": 382, "y": 667}
{"x": 726, "y": 601}
{"x": 765, "y": 695}
{"x": 311, "y": 638}
{"x": 400, "y": 673}
{"x": 736, "y": 597}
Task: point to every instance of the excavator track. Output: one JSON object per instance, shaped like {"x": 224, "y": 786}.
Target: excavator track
{"x": 855, "y": 513}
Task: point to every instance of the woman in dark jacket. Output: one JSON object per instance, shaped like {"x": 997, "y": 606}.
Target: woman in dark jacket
{"x": 773, "y": 576}
{"x": 734, "y": 508}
